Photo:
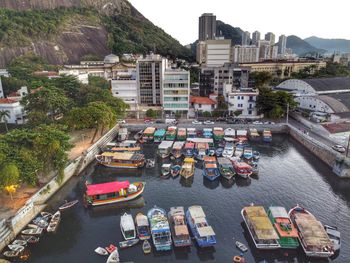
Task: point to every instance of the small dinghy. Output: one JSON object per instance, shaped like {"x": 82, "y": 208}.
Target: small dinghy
{"x": 150, "y": 163}
{"x": 175, "y": 170}
{"x": 334, "y": 236}
{"x": 101, "y": 251}
{"x": 241, "y": 246}
{"x": 19, "y": 242}
{"x": 46, "y": 215}
{"x": 238, "y": 259}
{"x": 111, "y": 248}
{"x": 68, "y": 205}
{"x": 11, "y": 254}
{"x": 113, "y": 257}
{"x": 30, "y": 239}
{"x": 146, "y": 247}
{"x": 32, "y": 231}
{"x": 55, "y": 220}
{"x": 128, "y": 243}
{"x": 41, "y": 222}
{"x": 16, "y": 248}
{"x": 32, "y": 226}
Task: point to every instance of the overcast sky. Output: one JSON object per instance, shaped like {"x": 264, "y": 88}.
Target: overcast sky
{"x": 304, "y": 18}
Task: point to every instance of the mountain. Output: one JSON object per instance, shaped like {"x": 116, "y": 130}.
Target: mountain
{"x": 229, "y": 32}
{"x": 331, "y": 45}
{"x": 301, "y": 47}
{"x": 64, "y": 31}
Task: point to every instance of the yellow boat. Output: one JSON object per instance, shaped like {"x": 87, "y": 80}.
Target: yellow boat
{"x": 128, "y": 160}
{"x": 187, "y": 169}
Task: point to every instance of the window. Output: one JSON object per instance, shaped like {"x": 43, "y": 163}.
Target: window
{"x": 250, "y": 112}
{"x": 199, "y": 105}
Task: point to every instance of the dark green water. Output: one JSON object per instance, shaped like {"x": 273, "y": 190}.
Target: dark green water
{"x": 288, "y": 175}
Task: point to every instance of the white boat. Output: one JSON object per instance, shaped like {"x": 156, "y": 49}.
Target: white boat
{"x": 32, "y": 231}
{"x": 68, "y": 205}
{"x": 166, "y": 168}
{"x": 19, "y": 242}
{"x": 11, "y": 254}
{"x": 241, "y": 246}
{"x": 16, "y": 248}
{"x": 334, "y": 236}
{"x": 146, "y": 247}
{"x": 229, "y": 132}
{"x": 101, "y": 251}
{"x": 55, "y": 220}
{"x": 113, "y": 257}
{"x": 122, "y": 134}
{"x": 164, "y": 148}
{"x": 228, "y": 150}
{"x": 142, "y": 227}
{"x": 127, "y": 226}
{"x": 129, "y": 243}
{"x": 239, "y": 151}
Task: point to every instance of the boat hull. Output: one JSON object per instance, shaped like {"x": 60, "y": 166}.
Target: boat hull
{"x": 200, "y": 242}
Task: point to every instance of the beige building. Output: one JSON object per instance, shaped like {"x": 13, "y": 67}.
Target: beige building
{"x": 243, "y": 54}
{"x": 214, "y": 53}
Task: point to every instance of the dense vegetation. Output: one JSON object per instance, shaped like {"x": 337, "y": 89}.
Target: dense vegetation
{"x": 331, "y": 70}
{"x": 229, "y": 32}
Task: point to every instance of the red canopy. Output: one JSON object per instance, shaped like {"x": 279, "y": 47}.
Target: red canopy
{"x": 106, "y": 188}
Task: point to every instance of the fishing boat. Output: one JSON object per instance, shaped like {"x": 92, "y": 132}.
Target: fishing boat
{"x": 178, "y": 226}
{"x": 126, "y": 146}
{"x": 129, "y": 243}
{"x": 210, "y": 170}
{"x": 201, "y": 230}
{"x": 54, "y": 222}
{"x": 122, "y": 134}
{"x": 191, "y": 133}
{"x": 312, "y": 236}
{"x": 127, "y": 226}
{"x": 242, "y": 169}
{"x": 219, "y": 151}
{"x": 218, "y": 133}
{"x": 189, "y": 149}
{"x": 19, "y": 242}
{"x": 288, "y": 234}
{"x": 239, "y": 150}
{"x": 334, "y": 236}
{"x": 208, "y": 133}
{"x": 164, "y": 149}
{"x": 41, "y": 222}
{"x": 201, "y": 150}
{"x": 225, "y": 167}
{"x": 159, "y": 135}
{"x": 228, "y": 150}
{"x": 127, "y": 160}
{"x": 16, "y": 248}
{"x": 68, "y": 205}
{"x": 248, "y": 153}
{"x": 170, "y": 134}
{"x": 175, "y": 170}
{"x": 181, "y": 134}
{"x": 254, "y": 135}
{"x": 113, "y": 257}
{"x": 32, "y": 231}
{"x": 112, "y": 192}
{"x": 138, "y": 136}
{"x": 255, "y": 167}
{"x": 177, "y": 150}
{"x": 241, "y": 246}
{"x": 256, "y": 155}
{"x": 101, "y": 251}
{"x": 241, "y": 136}
{"x": 148, "y": 134}
{"x": 142, "y": 227}
{"x": 166, "y": 168}
{"x": 260, "y": 228}
{"x": 160, "y": 229}
{"x": 230, "y": 133}
{"x": 11, "y": 254}
{"x": 267, "y": 136}
{"x": 146, "y": 247}
{"x": 187, "y": 169}
{"x": 30, "y": 239}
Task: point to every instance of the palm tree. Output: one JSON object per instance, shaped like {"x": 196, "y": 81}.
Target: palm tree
{"x": 4, "y": 115}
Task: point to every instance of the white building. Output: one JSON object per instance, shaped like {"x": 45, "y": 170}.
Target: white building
{"x": 245, "y": 54}
{"x": 111, "y": 59}
{"x": 202, "y": 104}
{"x": 81, "y": 77}
{"x": 214, "y": 53}
{"x": 125, "y": 88}
{"x": 245, "y": 38}
{"x": 15, "y": 109}
{"x": 282, "y": 44}
{"x": 255, "y": 38}
{"x": 267, "y": 51}
{"x": 271, "y": 38}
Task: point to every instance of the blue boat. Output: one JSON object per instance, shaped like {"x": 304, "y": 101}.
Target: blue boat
{"x": 189, "y": 149}
{"x": 267, "y": 136}
{"x": 208, "y": 133}
{"x": 256, "y": 156}
{"x": 248, "y": 153}
{"x": 159, "y": 135}
{"x": 202, "y": 232}
{"x": 160, "y": 229}
{"x": 210, "y": 171}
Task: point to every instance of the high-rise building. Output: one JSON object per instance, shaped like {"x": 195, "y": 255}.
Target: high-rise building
{"x": 282, "y": 44}
{"x": 245, "y": 38}
{"x": 207, "y": 27}
{"x": 270, "y": 37}
{"x": 264, "y": 49}
{"x": 255, "y": 38}
{"x": 214, "y": 53}
{"x": 245, "y": 54}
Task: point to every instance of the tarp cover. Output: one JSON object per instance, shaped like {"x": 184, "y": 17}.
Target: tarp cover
{"x": 112, "y": 187}
{"x": 181, "y": 230}
{"x": 206, "y": 231}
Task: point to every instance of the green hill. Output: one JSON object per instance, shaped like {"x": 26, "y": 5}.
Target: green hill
{"x": 331, "y": 45}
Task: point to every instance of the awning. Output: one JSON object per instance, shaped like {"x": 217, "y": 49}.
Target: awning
{"x": 106, "y": 188}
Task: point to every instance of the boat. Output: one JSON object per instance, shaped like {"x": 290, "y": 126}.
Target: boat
{"x": 125, "y": 160}
{"x": 201, "y": 150}
{"x": 68, "y": 205}
{"x": 113, "y": 257}
{"x": 247, "y": 153}
{"x": 239, "y": 150}
{"x": 178, "y": 226}
{"x": 242, "y": 169}
{"x": 177, "y": 150}
{"x": 41, "y": 222}
{"x": 32, "y": 231}
{"x": 218, "y": 133}
{"x": 19, "y": 242}
{"x": 241, "y": 136}
{"x": 55, "y": 220}
{"x": 334, "y": 236}
{"x": 112, "y": 192}
{"x": 187, "y": 169}
{"x": 226, "y": 168}
{"x": 256, "y": 155}
{"x": 254, "y": 135}
{"x": 241, "y": 246}
{"x": 287, "y": 232}
{"x": 238, "y": 259}
{"x": 32, "y": 226}
{"x": 165, "y": 170}
{"x": 181, "y": 134}
{"x": 255, "y": 167}
{"x": 267, "y": 136}
{"x": 191, "y": 133}
{"x": 210, "y": 170}
{"x": 211, "y": 151}
{"x": 260, "y": 228}
{"x": 150, "y": 163}
{"x": 189, "y": 149}
{"x": 138, "y": 136}
{"x": 170, "y": 134}
{"x": 30, "y": 239}
{"x": 201, "y": 230}
{"x": 16, "y": 247}
{"x": 219, "y": 151}
{"x": 127, "y": 227}
{"x": 129, "y": 243}
{"x": 164, "y": 149}
{"x": 101, "y": 251}
{"x": 230, "y": 133}
{"x": 175, "y": 170}
{"x": 146, "y": 247}
{"x": 142, "y": 227}
{"x": 160, "y": 229}
{"x": 148, "y": 134}
{"x": 208, "y": 133}
{"x": 312, "y": 236}
{"x": 122, "y": 149}
{"x": 45, "y": 215}
{"x": 111, "y": 248}
{"x": 228, "y": 150}
{"x": 122, "y": 134}
{"x": 159, "y": 135}
{"x": 11, "y": 254}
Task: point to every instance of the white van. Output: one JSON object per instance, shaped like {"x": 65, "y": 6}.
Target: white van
{"x": 170, "y": 121}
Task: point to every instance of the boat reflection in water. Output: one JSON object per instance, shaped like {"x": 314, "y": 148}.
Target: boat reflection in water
{"x": 186, "y": 182}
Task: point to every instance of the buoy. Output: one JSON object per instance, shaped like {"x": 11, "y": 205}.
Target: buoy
{"x": 237, "y": 259}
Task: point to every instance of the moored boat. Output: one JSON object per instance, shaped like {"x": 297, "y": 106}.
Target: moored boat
{"x": 164, "y": 149}
{"x": 187, "y": 169}
{"x": 181, "y": 134}
{"x": 178, "y": 226}
{"x": 122, "y": 134}
{"x": 165, "y": 170}
{"x": 334, "y": 236}
{"x": 30, "y": 239}
{"x": 68, "y": 205}
{"x": 210, "y": 170}
{"x": 32, "y": 231}
{"x": 11, "y": 254}
{"x": 226, "y": 168}
{"x": 201, "y": 230}
{"x": 175, "y": 170}
{"x": 208, "y": 133}
{"x": 230, "y": 133}
{"x": 177, "y": 150}
{"x": 170, "y": 134}
{"x": 121, "y": 160}
{"x": 241, "y": 246}
{"x": 189, "y": 149}
{"x": 256, "y": 155}
{"x": 191, "y": 133}
{"x": 16, "y": 247}
{"x": 101, "y": 251}
{"x": 260, "y": 228}
{"x": 253, "y": 134}
{"x": 267, "y": 136}
{"x": 112, "y": 192}
{"x": 201, "y": 150}
{"x": 19, "y": 242}
{"x": 242, "y": 169}
{"x": 229, "y": 149}
{"x": 127, "y": 226}
{"x": 142, "y": 227}
{"x": 160, "y": 229}
{"x": 113, "y": 257}
{"x": 146, "y": 247}
{"x": 312, "y": 236}
{"x": 248, "y": 153}
{"x": 54, "y": 222}
{"x": 218, "y": 133}
{"x": 242, "y": 136}
{"x": 159, "y": 135}
{"x": 288, "y": 234}
{"x": 129, "y": 243}
{"x": 238, "y": 150}
{"x": 148, "y": 134}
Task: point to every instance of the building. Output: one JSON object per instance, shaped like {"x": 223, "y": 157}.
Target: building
{"x": 244, "y": 54}
{"x": 207, "y": 27}
{"x": 271, "y": 38}
{"x": 15, "y": 109}
{"x": 19, "y": 94}
{"x": 255, "y": 38}
{"x": 267, "y": 51}
{"x": 2, "y": 95}
{"x": 111, "y": 59}
{"x": 80, "y": 76}
{"x": 124, "y": 86}
{"x": 282, "y": 44}
{"x": 201, "y": 104}
{"x": 214, "y": 53}
{"x": 206, "y": 82}
{"x": 245, "y": 38}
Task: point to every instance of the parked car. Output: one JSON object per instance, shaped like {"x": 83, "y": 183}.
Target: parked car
{"x": 339, "y": 148}
{"x": 230, "y": 121}
{"x": 257, "y": 122}
{"x": 159, "y": 121}
{"x": 209, "y": 122}
{"x": 220, "y": 119}
{"x": 197, "y": 122}
{"x": 121, "y": 121}
{"x": 148, "y": 122}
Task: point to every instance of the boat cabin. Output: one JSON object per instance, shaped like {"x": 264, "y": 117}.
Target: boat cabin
{"x": 171, "y": 133}
{"x": 122, "y": 134}
{"x": 159, "y": 135}
{"x": 121, "y": 159}
{"x": 164, "y": 148}
{"x": 148, "y": 134}
{"x": 191, "y": 133}
{"x": 229, "y": 132}
{"x": 181, "y": 134}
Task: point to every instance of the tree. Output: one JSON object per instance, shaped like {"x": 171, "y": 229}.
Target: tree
{"x": 9, "y": 178}
{"x": 150, "y": 113}
{"x": 206, "y": 114}
{"x": 4, "y": 115}
{"x": 261, "y": 79}
{"x": 11, "y": 84}
{"x": 237, "y": 113}
{"x": 96, "y": 81}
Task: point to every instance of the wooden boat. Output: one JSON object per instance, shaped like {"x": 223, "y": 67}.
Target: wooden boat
{"x": 122, "y": 134}
{"x": 260, "y": 228}
{"x": 121, "y": 160}
{"x": 101, "y": 251}
{"x": 241, "y": 246}
{"x": 226, "y": 168}
{"x": 248, "y": 153}
{"x": 242, "y": 169}
{"x": 129, "y": 243}
{"x": 267, "y": 136}
{"x": 142, "y": 227}
{"x": 68, "y": 205}
{"x": 189, "y": 149}
{"x": 218, "y": 134}
{"x": 112, "y": 192}
{"x": 312, "y": 236}
{"x": 175, "y": 170}
{"x": 239, "y": 151}
{"x": 187, "y": 169}
{"x": 228, "y": 150}
{"x": 181, "y": 134}
{"x": 230, "y": 133}
{"x": 210, "y": 170}
{"x": 238, "y": 259}
{"x": 111, "y": 248}
{"x": 30, "y": 239}
{"x": 164, "y": 149}
{"x": 254, "y": 135}
{"x": 148, "y": 134}
{"x": 177, "y": 149}
{"x": 16, "y": 247}
{"x": 32, "y": 231}
{"x": 127, "y": 227}
{"x": 201, "y": 230}
{"x": 11, "y": 254}
{"x": 288, "y": 234}
{"x": 241, "y": 136}
{"x": 165, "y": 170}
{"x": 113, "y": 257}
{"x": 178, "y": 226}
{"x": 41, "y": 222}
{"x": 191, "y": 133}
{"x": 55, "y": 220}
{"x": 159, "y": 135}
{"x": 170, "y": 134}
{"x": 160, "y": 229}
{"x": 334, "y": 236}
{"x": 19, "y": 242}
{"x": 146, "y": 247}
{"x": 201, "y": 150}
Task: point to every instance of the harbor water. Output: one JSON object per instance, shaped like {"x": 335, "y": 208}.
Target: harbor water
{"x": 289, "y": 174}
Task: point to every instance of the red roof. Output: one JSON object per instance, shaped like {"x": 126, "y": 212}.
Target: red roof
{"x": 7, "y": 101}
{"x": 189, "y": 145}
{"x": 337, "y": 127}
{"x": 106, "y": 188}
{"x": 202, "y": 100}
